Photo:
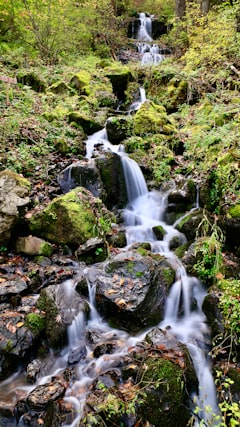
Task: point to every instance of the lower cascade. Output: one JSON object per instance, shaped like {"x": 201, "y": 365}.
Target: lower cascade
{"x": 183, "y": 316}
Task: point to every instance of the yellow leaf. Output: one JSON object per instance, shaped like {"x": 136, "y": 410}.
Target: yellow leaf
{"x": 20, "y": 324}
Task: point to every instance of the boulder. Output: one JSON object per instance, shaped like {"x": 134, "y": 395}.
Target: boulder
{"x": 83, "y": 173}
{"x": 81, "y": 82}
{"x": 151, "y": 389}
{"x": 118, "y": 128}
{"x": 14, "y": 197}
{"x": 72, "y": 219}
{"x": 112, "y": 176}
{"x": 152, "y": 119}
{"x": 61, "y": 305}
{"x": 131, "y": 288}
{"x": 119, "y": 77}
{"x": 31, "y": 79}
{"x": 188, "y": 224}
{"x": 40, "y": 397}
{"x": 88, "y": 124}
{"x": 32, "y": 245}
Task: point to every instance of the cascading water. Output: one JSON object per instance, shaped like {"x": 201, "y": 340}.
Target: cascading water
{"x": 150, "y": 52}
{"x": 183, "y": 313}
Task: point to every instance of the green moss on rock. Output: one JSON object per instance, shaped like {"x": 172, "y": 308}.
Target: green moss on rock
{"x": 163, "y": 382}
{"x": 88, "y": 124}
{"x": 69, "y": 219}
{"x": 152, "y": 119}
{"x": 235, "y": 211}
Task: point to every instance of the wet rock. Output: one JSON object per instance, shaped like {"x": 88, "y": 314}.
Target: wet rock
{"x": 14, "y": 197}
{"x": 82, "y": 173}
{"x": 39, "y": 398}
{"x": 159, "y": 232}
{"x": 156, "y": 378}
{"x": 118, "y": 238}
{"x": 112, "y": 176}
{"x": 213, "y": 314}
{"x": 61, "y": 305}
{"x": 9, "y": 288}
{"x": 72, "y": 219}
{"x": 94, "y": 250}
{"x": 188, "y": 224}
{"x": 32, "y": 245}
{"x": 131, "y": 288}
{"x": 33, "y": 370}
{"x": 104, "y": 348}
{"x": 77, "y": 354}
{"x": 118, "y": 128}
{"x": 17, "y": 340}
{"x": 183, "y": 197}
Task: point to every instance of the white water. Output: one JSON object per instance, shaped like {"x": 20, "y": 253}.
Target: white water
{"x": 183, "y": 313}
{"x": 150, "y": 52}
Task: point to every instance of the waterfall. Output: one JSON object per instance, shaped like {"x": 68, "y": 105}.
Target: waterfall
{"x": 183, "y": 313}
{"x": 145, "y": 28}
{"x": 150, "y": 52}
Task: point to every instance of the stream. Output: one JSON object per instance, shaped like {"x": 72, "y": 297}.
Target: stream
{"x": 183, "y": 311}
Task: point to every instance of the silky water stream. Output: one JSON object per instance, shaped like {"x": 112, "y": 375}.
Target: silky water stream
{"x": 145, "y": 209}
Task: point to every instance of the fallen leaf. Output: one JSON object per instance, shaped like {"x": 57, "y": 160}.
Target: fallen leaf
{"x": 20, "y": 324}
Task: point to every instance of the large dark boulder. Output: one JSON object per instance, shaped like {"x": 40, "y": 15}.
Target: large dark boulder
{"x": 112, "y": 176}
{"x": 131, "y": 288}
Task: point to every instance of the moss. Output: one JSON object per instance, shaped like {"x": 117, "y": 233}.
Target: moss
{"x": 152, "y": 119}
{"x": 23, "y": 182}
{"x": 67, "y": 219}
{"x": 88, "y": 124}
{"x": 35, "y": 322}
{"x": 169, "y": 275}
{"x": 59, "y": 88}
{"x": 81, "y": 82}
{"x": 162, "y": 381}
{"x": 235, "y": 211}
{"x": 46, "y": 249}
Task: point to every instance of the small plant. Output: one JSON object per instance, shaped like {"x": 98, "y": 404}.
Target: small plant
{"x": 99, "y": 251}
{"x": 208, "y": 249}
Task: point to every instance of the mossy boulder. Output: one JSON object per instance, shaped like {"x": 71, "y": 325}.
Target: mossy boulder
{"x": 188, "y": 225}
{"x": 119, "y": 77}
{"x": 152, "y": 119}
{"x": 59, "y": 88}
{"x": 33, "y": 80}
{"x": 177, "y": 91}
{"x": 71, "y": 219}
{"x": 14, "y": 197}
{"x": 88, "y": 124}
{"x": 81, "y": 82}
{"x": 118, "y": 128}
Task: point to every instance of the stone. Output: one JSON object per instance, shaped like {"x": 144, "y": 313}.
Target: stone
{"x": 32, "y": 245}
{"x": 14, "y": 197}
{"x": 83, "y": 173}
{"x": 88, "y": 124}
{"x": 72, "y": 219}
{"x": 118, "y": 128}
{"x": 40, "y": 397}
{"x": 152, "y": 119}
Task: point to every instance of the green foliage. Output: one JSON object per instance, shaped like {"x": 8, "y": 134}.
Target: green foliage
{"x": 229, "y": 304}
{"x": 208, "y": 250}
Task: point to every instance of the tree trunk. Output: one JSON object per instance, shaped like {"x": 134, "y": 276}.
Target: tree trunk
{"x": 205, "y": 6}
{"x": 180, "y": 8}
